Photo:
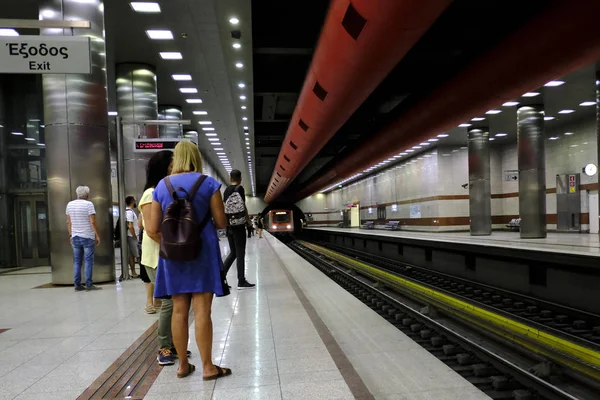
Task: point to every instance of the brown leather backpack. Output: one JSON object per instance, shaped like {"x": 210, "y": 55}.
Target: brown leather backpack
{"x": 180, "y": 232}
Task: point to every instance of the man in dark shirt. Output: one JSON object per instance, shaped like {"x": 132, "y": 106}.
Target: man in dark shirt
{"x": 236, "y": 234}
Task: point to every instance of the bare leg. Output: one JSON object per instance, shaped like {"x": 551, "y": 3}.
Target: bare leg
{"x": 202, "y": 303}
{"x": 132, "y": 265}
{"x": 180, "y": 327}
{"x": 149, "y": 294}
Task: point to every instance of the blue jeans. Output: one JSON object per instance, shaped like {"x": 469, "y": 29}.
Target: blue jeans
{"x": 83, "y": 249}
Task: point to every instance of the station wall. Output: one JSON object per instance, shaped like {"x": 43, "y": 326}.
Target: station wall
{"x": 426, "y": 192}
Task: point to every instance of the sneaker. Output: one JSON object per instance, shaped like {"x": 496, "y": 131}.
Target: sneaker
{"x": 150, "y": 309}
{"x": 246, "y": 285}
{"x": 165, "y": 357}
{"x": 174, "y": 352}
{"x": 93, "y": 287}
{"x": 79, "y": 288}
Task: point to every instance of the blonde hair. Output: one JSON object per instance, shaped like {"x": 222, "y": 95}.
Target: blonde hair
{"x": 186, "y": 158}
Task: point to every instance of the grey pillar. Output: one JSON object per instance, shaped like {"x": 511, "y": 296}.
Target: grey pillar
{"x": 480, "y": 197}
{"x": 170, "y": 113}
{"x": 77, "y": 150}
{"x": 136, "y": 100}
{"x": 5, "y": 235}
{"x": 532, "y": 171}
{"x": 598, "y": 130}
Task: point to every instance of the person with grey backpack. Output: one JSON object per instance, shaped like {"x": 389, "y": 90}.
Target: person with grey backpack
{"x": 237, "y": 219}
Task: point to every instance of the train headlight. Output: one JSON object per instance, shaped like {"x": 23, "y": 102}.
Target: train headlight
{"x": 274, "y": 226}
{"x": 289, "y": 227}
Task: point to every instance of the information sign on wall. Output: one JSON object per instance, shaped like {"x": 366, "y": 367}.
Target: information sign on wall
{"x": 511, "y": 175}
{"x": 45, "y": 55}
{"x": 415, "y": 211}
{"x": 572, "y": 184}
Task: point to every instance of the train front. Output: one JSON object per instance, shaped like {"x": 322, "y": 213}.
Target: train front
{"x": 281, "y": 221}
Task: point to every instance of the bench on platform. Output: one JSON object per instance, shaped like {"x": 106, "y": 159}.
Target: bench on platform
{"x": 514, "y": 224}
{"x": 392, "y": 225}
{"x": 368, "y": 225}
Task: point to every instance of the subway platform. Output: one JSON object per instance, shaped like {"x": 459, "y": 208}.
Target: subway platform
{"x": 297, "y": 336}
{"x": 582, "y": 244}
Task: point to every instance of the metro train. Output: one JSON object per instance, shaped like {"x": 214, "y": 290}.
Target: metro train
{"x": 279, "y": 221}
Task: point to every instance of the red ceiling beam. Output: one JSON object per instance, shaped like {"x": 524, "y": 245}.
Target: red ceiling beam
{"x": 555, "y": 43}
{"x": 361, "y": 42}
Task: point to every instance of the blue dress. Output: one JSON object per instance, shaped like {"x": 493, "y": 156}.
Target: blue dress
{"x": 204, "y": 273}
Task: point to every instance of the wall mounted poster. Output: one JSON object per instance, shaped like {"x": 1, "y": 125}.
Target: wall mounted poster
{"x": 415, "y": 211}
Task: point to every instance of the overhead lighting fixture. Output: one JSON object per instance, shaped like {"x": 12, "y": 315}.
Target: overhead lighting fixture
{"x": 188, "y": 90}
{"x": 218, "y": 148}
{"x": 200, "y": 112}
{"x": 30, "y": 139}
{"x": 194, "y": 101}
{"x": 403, "y": 154}
{"x": 424, "y": 144}
{"x": 208, "y": 128}
{"x": 239, "y": 65}
{"x": 554, "y": 83}
{"x": 554, "y": 138}
{"x": 588, "y": 103}
{"x": 145, "y": 7}
{"x": 159, "y": 34}
{"x": 409, "y": 151}
{"x": 510, "y": 104}
{"x": 8, "y": 32}
{"x": 243, "y": 107}
{"x": 548, "y": 118}
{"x": 433, "y": 140}
{"x": 170, "y": 55}
{"x": 248, "y": 147}
{"x": 492, "y": 139}
{"x": 213, "y": 139}
{"x": 242, "y": 97}
{"x": 566, "y": 111}
{"x": 245, "y": 118}
{"x": 461, "y": 126}
{"x": 241, "y": 85}
{"x": 531, "y": 94}
{"x": 246, "y": 133}
{"x": 236, "y": 45}
{"x": 416, "y": 147}
{"x": 210, "y": 134}
{"x": 443, "y": 135}
{"x": 113, "y": 113}
{"x": 492, "y": 112}
{"x": 245, "y": 127}
{"x": 181, "y": 77}
{"x": 234, "y": 21}
{"x": 500, "y": 134}
{"x": 477, "y": 119}
{"x": 568, "y": 133}
{"x": 17, "y": 133}
{"x": 205, "y": 122}
{"x": 41, "y": 144}
{"x": 220, "y": 154}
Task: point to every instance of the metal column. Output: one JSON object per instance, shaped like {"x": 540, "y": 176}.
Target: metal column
{"x": 77, "y": 148}
{"x": 170, "y": 113}
{"x": 136, "y": 100}
{"x": 480, "y": 197}
{"x": 532, "y": 171}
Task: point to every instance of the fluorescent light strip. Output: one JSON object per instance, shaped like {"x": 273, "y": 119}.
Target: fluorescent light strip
{"x": 158, "y": 34}
{"x": 170, "y": 55}
{"x": 200, "y": 112}
{"x": 145, "y": 7}
{"x": 205, "y": 122}
{"x": 181, "y": 77}
{"x": 193, "y": 101}
{"x": 188, "y": 90}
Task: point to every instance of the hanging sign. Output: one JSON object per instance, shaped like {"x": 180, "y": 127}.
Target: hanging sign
{"x": 572, "y": 184}
{"x": 45, "y": 55}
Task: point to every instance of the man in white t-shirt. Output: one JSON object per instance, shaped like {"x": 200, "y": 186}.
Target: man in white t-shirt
{"x": 133, "y": 231}
{"x": 83, "y": 234}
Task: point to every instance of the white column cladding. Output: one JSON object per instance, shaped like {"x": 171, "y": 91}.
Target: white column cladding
{"x": 77, "y": 141}
{"x": 136, "y": 100}
{"x": 532, "y": 171}
{"x": 480, "y": 196}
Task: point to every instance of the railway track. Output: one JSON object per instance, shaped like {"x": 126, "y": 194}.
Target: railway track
{"x": 493, "y": 374}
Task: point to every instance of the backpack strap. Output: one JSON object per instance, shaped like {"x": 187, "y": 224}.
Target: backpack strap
{"x": 204, "y": 221}
{"x": 195, "y": 188}
{"x": 170, "y": 187}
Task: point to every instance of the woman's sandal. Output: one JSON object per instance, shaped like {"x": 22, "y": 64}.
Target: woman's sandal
{"x": 190, "y": 370}
{"x": 221, "y": 372}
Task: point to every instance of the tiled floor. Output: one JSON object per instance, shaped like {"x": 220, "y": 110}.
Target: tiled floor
{"x": 570, "y": 243}
{"x": 61, "y": 341}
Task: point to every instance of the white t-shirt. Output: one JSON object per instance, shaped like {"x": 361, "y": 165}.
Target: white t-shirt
{"x": 79, "y": 212}
{"x": 132, "y": 217}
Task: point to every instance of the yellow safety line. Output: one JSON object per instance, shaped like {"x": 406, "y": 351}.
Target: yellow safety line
{"x": 563, "y": 351}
